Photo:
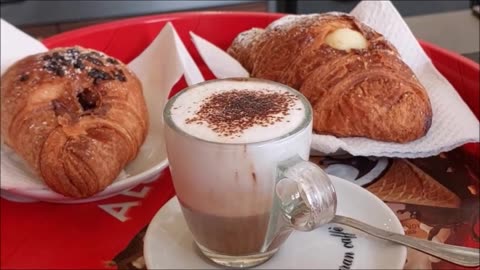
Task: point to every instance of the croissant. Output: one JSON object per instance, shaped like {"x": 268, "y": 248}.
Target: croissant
{"x": 353, "y": 77}
{"x": 75, "y": 115}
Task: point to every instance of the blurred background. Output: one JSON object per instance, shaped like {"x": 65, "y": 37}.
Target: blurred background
{"x": 453, "y": 25}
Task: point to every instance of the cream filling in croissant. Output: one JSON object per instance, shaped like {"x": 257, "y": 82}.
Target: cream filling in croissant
{"x": 346, "y": 39}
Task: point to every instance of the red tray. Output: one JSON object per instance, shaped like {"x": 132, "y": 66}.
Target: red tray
{"x": 49, "y": 236}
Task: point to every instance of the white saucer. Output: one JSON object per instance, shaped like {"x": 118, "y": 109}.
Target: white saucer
{"x": 20, "y": 184}
{"x": 168, "y": 243}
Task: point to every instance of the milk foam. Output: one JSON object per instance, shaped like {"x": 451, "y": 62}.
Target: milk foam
{"x": 188, "y": 104}
{"x": 230, "y": 178}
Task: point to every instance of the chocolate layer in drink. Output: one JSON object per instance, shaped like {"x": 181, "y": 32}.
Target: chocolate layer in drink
{"x": 234, "y": 236}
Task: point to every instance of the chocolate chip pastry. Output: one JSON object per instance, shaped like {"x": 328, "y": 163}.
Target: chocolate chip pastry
{"x": 355, "y": 79}
{"x": 75, "y": 115}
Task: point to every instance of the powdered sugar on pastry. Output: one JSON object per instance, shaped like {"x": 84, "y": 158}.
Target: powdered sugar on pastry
{"x": 246, "y": 38}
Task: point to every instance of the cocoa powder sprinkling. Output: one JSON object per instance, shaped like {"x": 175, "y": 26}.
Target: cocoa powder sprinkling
{"x": 231, "y": 112}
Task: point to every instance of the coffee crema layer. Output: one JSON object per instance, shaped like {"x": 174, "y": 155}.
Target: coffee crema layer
{"x": 238, "y": 112}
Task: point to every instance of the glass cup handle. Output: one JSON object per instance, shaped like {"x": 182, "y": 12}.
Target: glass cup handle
{"x": 306, "y": 194}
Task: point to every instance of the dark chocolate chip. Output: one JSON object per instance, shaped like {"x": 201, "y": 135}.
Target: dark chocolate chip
{"x": 47, "y": 57}
{"x": 94, "y": 61}
{"x": 60, "y": 72}
{"x": 49, "y": 67}
{"x": 94, "y": 54}
{"x": 119, "y": 75}
{"x": 79, "y": 64}
{"x": 107, "y": 76}
{"x": 99, "y": 75}
{"x": 112, "y": 61}
{"x": 24, "y": 77}
{"x": 57, "y": 56}
{"x": 73, "y": 51}
{"x": 95, "y": 73}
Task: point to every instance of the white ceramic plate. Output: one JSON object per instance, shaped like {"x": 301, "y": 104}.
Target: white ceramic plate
{"x": 168, "y": 243}
{"x": 19, "y": 183}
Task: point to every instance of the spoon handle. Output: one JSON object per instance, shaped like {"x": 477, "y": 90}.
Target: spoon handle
{"x": 459, "y": 255}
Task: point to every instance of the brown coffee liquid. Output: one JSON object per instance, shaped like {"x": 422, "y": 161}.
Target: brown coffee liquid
{"x": 235, "y": 236}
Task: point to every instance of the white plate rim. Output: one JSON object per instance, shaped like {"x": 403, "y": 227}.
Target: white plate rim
{"x": 47, "y": 195}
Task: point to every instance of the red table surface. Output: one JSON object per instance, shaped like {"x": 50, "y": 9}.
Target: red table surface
{"x": 44, "y": 235}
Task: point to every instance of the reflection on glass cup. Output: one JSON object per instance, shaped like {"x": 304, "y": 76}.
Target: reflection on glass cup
{"x": 237, "y": 150}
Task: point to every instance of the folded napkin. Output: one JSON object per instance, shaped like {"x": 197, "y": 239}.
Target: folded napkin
{"x": 453, "y": 123}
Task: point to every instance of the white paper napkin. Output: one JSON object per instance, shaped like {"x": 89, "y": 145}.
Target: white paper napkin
{"x": 230, "y": 67}
{"x": 159, "y": 67}
{"x": 16, "y": 45}
{"x": 453, "y": 123}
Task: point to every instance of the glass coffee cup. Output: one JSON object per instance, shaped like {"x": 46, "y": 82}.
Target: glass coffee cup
{"x": 238, "y": 151}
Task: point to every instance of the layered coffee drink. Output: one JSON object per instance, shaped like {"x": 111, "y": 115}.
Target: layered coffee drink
{"x": 225, "y": 141}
